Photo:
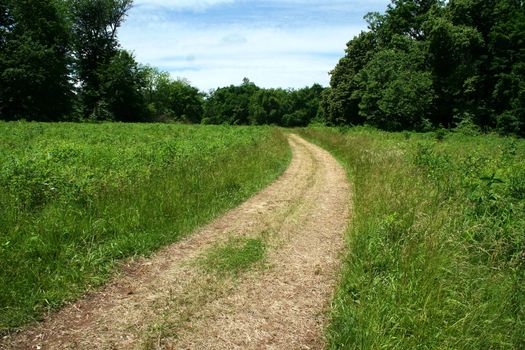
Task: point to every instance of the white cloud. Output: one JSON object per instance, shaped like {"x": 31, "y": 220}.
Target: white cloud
{"x": 215, "y": 57}
{"x": 196, "y": 5}
{"x": 216, "y": 53}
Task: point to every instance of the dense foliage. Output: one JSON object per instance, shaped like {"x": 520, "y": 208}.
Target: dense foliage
{"x": 100, "y": 67}
{"x": 34, "y": 60}
{"x": 61, "y": 60}
{"x": 422, "y": 64}
{"x": 75, "y": 198}
{"x": 169, "y": 99}
{"x": 249, "y": 104}
{"x": 436, "y": 248}
{"x": 428, "y": 63}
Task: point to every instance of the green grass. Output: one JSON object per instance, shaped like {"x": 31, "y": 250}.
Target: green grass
{"x": 436, "y": 249}
{"x": 233, "y": 257}
{"x": 77, "y": 198}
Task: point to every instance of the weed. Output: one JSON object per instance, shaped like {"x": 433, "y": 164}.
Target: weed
{"x": 234, "y": 256}
{"x": 437, "y": 241}
{"x": 77, "y": 198}
{"x": 441, "y": 133}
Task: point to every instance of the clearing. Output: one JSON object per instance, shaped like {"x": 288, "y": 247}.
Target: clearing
{"x": 270, "y": 290}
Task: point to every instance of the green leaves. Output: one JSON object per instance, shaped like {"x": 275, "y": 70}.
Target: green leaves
{"x": 94, "y": 29}
{"x": 121, "y": 88}
{"x": 34, "y": 61}
{"x": 171, "y": 100}
{"x": 464, "y": 58}
{"x": 394, "y": 95}
{"x": 249, "y": 104}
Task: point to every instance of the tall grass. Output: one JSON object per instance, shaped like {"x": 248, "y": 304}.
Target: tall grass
{"x": 436, "y": 249}
{"x": 77, "y": 198}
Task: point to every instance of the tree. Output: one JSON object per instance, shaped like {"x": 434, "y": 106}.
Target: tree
{"x": 121, "y": 90}
{"x": 477, "y": 14}
{"x": 156, "y": 92}
{"x": 186, "y": 102}
{"x": 472, "y": 51}
{"x": 249, "y": 104}
{"x": 407, "y": 18}
{"x": 454, "y": 56}
{"x": 6, "y": 22}
{"x": 506, "y": 46}
{"x": 95, "y": 24}
{"x": 267, "y": 106}
{"x": 395, "y": 94}
{"x": 172, "y": 100}
{"x": 303, "y": 106}
{"x": 341, "y": 104}
{"x": 231, "y": 104}
{"x": 34, "y": 60}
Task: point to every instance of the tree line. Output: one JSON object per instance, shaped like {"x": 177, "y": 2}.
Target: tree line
{"x": 421, "y": 65}
{"x": 61, "y": 60}
{"x": 249, "y": 104}
{"x": 429, "y": 63}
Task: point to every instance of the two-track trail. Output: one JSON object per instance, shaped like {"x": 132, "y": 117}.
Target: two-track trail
{"x": 168, "y": 302}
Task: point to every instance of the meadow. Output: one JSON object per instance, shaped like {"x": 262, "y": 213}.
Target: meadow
{"x": 436, "y": 247}
{"x": 435, "y": 252}
{"x": 77, "y": 199}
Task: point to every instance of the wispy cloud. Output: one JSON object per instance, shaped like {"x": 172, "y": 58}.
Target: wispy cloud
{"x": 286, "y": 43}
{"x": 195, "y": 5}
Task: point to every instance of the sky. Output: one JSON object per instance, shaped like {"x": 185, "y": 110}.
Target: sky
{"x": 274, "y": 43}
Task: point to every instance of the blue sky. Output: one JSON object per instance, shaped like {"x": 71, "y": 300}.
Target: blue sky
{"x": 212, "y": 43}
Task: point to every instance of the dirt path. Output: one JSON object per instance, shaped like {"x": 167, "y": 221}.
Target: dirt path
{"x": 168, "y": 302}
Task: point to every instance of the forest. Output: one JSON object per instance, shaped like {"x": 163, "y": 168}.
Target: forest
{"x": 429, "y": 63}
{"x": 421, "y": 65}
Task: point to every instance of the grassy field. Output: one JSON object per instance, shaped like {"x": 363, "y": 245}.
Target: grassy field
{"x": 436, "y": 249}
{"x": 77, "y": 198}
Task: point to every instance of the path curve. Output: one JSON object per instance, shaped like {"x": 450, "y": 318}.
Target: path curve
{"x": 165, "y": 302}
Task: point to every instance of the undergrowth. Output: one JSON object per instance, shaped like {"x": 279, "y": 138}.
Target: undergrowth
{"x": 436, "y": 248}
{"x": 77, "y": 198}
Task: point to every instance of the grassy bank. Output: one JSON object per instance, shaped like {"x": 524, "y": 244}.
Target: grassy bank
{"x": 77, "y": 198}
{"x": 436, "y": 249}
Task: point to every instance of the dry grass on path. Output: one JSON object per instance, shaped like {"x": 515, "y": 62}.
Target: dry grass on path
{"x": 171, "y": 302}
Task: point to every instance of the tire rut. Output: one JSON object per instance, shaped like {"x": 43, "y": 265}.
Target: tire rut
{"x": 166, "y": 302}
